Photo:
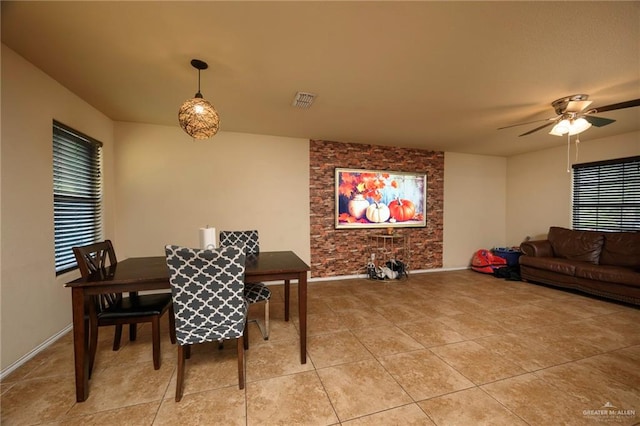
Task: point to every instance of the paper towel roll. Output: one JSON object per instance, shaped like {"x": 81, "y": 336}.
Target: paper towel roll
{"x": 207, "y": 238}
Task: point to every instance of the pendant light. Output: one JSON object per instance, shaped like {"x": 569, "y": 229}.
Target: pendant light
{"x": 197, "y": 117}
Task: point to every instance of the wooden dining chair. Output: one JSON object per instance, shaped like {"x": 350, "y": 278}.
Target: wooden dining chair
{"x": 208, "y": 299}
{"x": 254, "y": 292}
{"x": 117, "y": 310}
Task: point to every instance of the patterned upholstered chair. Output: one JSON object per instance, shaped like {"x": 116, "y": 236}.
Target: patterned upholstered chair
{"x": 207, "y": 287}
{"x": 113, "y": 309}
{"x": 254, "y": 292}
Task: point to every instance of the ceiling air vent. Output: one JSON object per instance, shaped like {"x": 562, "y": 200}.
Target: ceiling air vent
{"x": 303, "y": 100}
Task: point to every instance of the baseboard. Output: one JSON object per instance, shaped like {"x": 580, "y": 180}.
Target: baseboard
{"x": 419, "y": 271}
{"x": 42, "y": 346}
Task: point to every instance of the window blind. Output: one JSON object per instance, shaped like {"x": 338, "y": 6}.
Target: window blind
{"x": 606, "y": 195}
{"x": 77, "y": 193}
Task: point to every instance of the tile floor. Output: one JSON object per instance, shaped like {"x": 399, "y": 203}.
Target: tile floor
{"x": 443, "y": 348}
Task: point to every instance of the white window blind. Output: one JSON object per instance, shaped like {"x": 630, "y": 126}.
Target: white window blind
{"x": 77, "y": 193}
{"x": 606, "y": 195}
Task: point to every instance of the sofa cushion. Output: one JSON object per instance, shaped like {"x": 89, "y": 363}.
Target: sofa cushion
{"x": 553, "y": 264}
{"x": 584, "y": 246}
{"x": 609, "y": 274}
{"x": 621, "y": 249}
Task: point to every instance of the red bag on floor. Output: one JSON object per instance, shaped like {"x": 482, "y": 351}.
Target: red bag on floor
{"x": 486, "y": 262}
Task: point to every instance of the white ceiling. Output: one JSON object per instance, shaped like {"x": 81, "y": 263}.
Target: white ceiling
{"x": 431, "y": 75}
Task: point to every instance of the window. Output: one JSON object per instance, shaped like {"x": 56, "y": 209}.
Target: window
{"x": 606, "y": 195}
{"x": 77, "y": 193}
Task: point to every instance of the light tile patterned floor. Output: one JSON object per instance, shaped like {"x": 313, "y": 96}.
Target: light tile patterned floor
{"x": 443, "y": 348}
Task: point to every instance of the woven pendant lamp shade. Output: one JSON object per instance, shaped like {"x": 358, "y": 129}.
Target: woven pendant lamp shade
{"x": 198, "y": 118}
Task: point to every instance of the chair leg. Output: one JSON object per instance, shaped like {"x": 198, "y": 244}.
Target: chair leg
{"x": 180, "y": 377}
{"x": 117, "y": 337}
{"x": 245, "y": 335}
{"x": 266, "y": 319}
{"x": 155, "y": 336}
{"x": 133, "y": 332}
{"x": 241, "y": 364}
{"x": 93, "y": 342}
{"x": 172, "y": 325}
{"x": 187, "y": 352}
{"x": 264, "y": 329}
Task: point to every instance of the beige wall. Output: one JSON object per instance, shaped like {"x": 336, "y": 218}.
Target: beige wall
{"x": 474, "y": 206}
{"x": 539, "y": 187}
{"x": 168, "y": 186}
{"x": 35, "y": 305}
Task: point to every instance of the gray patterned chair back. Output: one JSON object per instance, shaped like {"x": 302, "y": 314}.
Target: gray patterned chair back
{"x": 247, "y": 239}
{"x": 207, "y": 288}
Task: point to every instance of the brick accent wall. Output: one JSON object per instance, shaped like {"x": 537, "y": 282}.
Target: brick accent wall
{"x": 336, "y": 252}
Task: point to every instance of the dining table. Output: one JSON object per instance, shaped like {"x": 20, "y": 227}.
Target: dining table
{"x": 151, "y": 273}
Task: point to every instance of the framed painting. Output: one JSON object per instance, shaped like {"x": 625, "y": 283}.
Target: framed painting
{"x": 380, "y": 199}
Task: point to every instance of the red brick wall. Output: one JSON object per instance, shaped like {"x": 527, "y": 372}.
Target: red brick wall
{"x": 336, "y": 252}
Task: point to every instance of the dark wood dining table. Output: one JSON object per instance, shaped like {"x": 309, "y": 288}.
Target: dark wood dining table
{"x": 151, "y": 273}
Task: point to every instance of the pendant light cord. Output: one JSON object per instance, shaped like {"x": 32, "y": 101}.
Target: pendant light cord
{"x": 198, "y": 95}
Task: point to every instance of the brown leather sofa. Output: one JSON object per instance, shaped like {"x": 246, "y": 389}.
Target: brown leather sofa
{"x": 605, "y": 264}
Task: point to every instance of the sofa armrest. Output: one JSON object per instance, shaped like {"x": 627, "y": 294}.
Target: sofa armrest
{"x": 537, "y": 248}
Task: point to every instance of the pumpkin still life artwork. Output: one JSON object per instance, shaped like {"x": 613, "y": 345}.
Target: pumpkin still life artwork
{"x": 379, "y": 199}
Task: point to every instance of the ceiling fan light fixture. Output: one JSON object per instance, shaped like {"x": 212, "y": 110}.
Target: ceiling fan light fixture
{"x": 570, "y": 126}
{"x": 578, "y": 126}
{"x": 561, "y": 128}
{"x": 197, "y": 116}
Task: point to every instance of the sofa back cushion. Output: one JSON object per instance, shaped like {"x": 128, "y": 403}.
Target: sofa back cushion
{"x": 584, "y": 246}
{"x": 621, "y": 249}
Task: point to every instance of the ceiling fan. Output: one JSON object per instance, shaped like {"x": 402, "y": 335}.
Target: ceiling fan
{"x": 572, "y": 116}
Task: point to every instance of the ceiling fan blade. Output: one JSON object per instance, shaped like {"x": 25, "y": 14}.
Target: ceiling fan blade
{"x": 528, "y": 122}
{"x": 538, "y": 128}
{"x": 619, "y": 105}
{"x": 598, "y": 121}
